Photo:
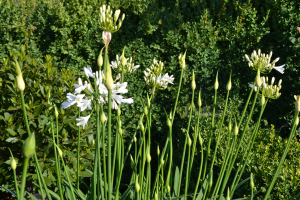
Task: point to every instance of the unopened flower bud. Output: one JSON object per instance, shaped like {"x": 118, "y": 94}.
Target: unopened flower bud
{"x": 229, "y": 84}
{"x": 228, "y": 194}
{"x": 236, "y": 130}
{"x": 134, "y": 139}
{"x": 13, "y": 164}
{"x": 169, "y": 189}
{"x": 20, "y": 82}
{"x": 109, "y": 82}
{"x": 201, "y": 140}
{"x": 297, "y": 102}
{"x": 162, "y": 161}
{"x": 199, "y": 100}
{"x": 56, "y": 112}
{"x": 123, "y": 59}
{"x": 251, "y": 181}
{"x": 123, "y": 17}
{"x": 189, "y": 141}
{"x": 142, "y": 126}
{"x": 29, "y": 146}
{"x": 145, "y": 110}
{"x": 156, "y": 196}
{"x": 148, "y": 158}
{"x": 193, "y": 81}
{"x": 158, "y": 151}
{"x": 148, "y": 101}
{"x": 169, "y": 123}
{"x": 216, "y": 85}
{"x": 137, "y": 186}
{"x": 297, "y": 121}
{"x": 103, "y": 118}
{"x": 100, "y": 59}
{"x": 120, "y": 131}
{"x": 60, "y": 153}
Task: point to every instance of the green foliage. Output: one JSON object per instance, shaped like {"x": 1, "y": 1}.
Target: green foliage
{"x": 215, "y": 33}
{"x": 41, "y": 79}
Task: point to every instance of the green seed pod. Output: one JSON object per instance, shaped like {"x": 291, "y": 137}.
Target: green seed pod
{"x": 29, "y": 146}
{"x": 119, "y": 111}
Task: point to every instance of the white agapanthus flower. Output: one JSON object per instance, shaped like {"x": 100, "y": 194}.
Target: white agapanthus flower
{"x": 280, "y": 68}
{"x": 80, "y": 87}
{"x": 72, "y": 99}
{"x": 82, "y": 121}
{"x": 84, "y": 104}
{"x": 88, "y": 72}
{"x": 114, "y": 64}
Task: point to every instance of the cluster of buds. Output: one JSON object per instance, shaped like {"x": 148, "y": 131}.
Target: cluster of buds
{"x": 122, "y": 64}
{"x": 182, "y": 60}
{"x": 154, "y": 78}
{"x": 262, "y": 62}
{"x": 271, "y": 91}
{"x": 108, "y": 21}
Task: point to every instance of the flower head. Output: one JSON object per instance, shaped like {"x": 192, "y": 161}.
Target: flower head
{"x": 72, "y": 99}
{"x": 270, "y": 90}
{"x": 125, "y": 66}
{"x": 263, "y": 62}
{"x": 108, "y": 21}
{"x": 82, "y": 121}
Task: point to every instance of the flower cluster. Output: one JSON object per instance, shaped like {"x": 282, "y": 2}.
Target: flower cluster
{"x": 128, "y": 67}
{"x": 84, "y": 101}
{"x": 262, "y": 61}
{"x": 153, "y": 76}
{"x": 270, "y": 91}
{"x": 108, "y": 21}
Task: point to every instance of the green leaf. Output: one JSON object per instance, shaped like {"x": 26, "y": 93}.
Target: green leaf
{"x": 12, "y": 132}
{"x": 127, "y": 191}
{"x": 176, "y": 180}
{"x": 37, "y": 110}
{"x": 85, "y": 173}
{"x": 12, "y": 140}
{"x": 203, "y": 188}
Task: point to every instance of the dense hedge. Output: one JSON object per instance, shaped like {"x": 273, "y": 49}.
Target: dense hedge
{"x": 216, "y": 35}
